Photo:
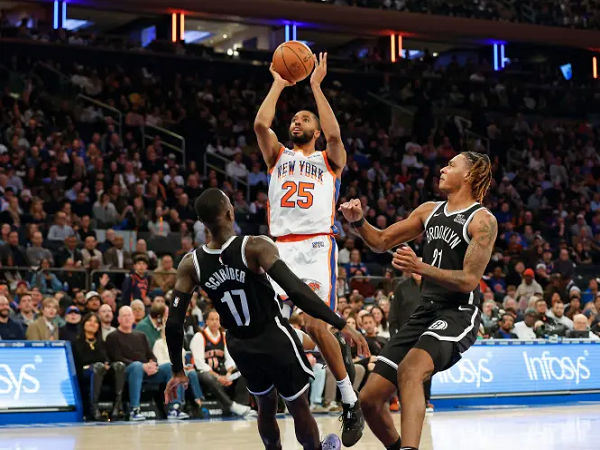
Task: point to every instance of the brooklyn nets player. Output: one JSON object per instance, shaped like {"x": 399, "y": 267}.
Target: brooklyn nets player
{"x": 459, "y": 239}
{"x": 232, "y": 271}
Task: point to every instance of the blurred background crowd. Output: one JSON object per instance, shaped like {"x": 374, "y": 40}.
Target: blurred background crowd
{"x": 102, "y": 154}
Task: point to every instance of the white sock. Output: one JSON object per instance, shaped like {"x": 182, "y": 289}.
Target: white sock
{"x": 347, "y": 391}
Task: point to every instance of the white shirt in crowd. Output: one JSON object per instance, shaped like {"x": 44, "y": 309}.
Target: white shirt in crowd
{"x": 197, "y": 346}
{"x": 161, "y": 351}
{"x": 523, "y": 331}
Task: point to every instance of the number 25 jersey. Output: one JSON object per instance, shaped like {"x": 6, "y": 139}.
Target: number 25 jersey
{"x": 303, "y": 192}
{"x": 244, "y": 299}
{"x": 446, "y": 241}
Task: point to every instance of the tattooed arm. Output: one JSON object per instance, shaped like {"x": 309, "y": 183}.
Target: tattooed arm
{"x": 483, "y": 229}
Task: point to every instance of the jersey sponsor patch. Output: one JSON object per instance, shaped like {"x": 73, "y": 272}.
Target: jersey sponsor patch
{"x": 439, "y": 325}
{"x": 460, "y": 218}
{"x": 318, "y": 244}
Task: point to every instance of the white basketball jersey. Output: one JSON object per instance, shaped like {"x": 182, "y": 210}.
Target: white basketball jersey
{"x": 303, "y": 192}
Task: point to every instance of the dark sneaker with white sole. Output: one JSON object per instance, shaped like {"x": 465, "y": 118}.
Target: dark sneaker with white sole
{"x": 353, "y": 423}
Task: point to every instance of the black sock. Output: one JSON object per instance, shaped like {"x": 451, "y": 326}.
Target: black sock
{"x": 395, "y": 446}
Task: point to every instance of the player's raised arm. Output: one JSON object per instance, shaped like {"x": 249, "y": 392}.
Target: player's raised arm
{"x": 483, "y": 229}
{"x": 261, "y": 253}
{"x": 182, "y": 295}
{"x": 267, "y": 140}
{"x": 382, "y": 240}
{"x": 336, "y": 153}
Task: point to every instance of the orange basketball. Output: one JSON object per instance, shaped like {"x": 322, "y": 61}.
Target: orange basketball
{"x": 293, "y": 60}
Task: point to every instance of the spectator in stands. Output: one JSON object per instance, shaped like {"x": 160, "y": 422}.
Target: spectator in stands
{"x": 236, "y": 168}
{"x": 14, "y": 251}
{"x": 357, "y": 302}
{"x": 344, "y": 253}
{"x": 106, "y": 317}
{"x": 355, "y": 265}
{"x": 153, "y": 323}
{"x": 47, "y": 282}
{"x": 60, "y": 230}
{"x": 164, "y": 278}
{"x": 527, "y": 288}
{"x": 564, "y": 266}
{"x": 215, "y": 366}
{"x": 557, "y": 313}
{"x": 90, "y": 252}
{"x": 383, "y": 329}
{"x": 10, "y": 330}
{"x": 92, "y": 364}
{"x": 505, "y": 327}
{"x": 375, "y": 342}
{"x": 44, "y": 328}
{"x": 159, "y": 225}
{"x": 526, "y": 328}
{"x": 108, "y": 241}
{"x": 92, "y": 302}
{"x": 26, "y": 315}
{"x": 70, "y": 330}
{"x": 132, "y": 348}
{"x": 581, "y": 329}
{"x": 105, "y": 212}
{"x": 137, "y": 285}
{"x": 139, "y": 310}
{"x": 69, "y": 251}
{"x": 36, "y": 252}
{"x": 187, "y": 245}
{"x": 116, "y": 257}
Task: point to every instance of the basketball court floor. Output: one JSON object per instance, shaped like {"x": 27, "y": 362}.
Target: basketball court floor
{"x": 548, "y": 428}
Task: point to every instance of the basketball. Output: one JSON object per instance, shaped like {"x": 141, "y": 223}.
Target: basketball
{"x": 293, "y": 60}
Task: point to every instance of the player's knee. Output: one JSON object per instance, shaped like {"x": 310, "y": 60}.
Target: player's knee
{"x": 409, "y": 373}
{"x": 370, "y": 402}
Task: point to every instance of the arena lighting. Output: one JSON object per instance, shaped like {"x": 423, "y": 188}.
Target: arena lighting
{"x": 393, "y": 48}
{"x": 174, "y": 27}
{"x": 64, "y": 13}
{"x": 499, "y": 59}
{"x": 595, "y": 67}
{"x": 55, "y": 14}
{"x": 290, "y": 32}
{"x": 294, "y": 35}
{"x": 287, "y": 33}
{"x": 181, "y": 27}
{"x": 400, "y": 45}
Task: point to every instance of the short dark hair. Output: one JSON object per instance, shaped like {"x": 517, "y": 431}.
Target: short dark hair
{"x": 210, "y": 206}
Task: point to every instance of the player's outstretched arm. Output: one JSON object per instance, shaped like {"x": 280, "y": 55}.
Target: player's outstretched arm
{"x": 182, "y": 295}
{"x": 382, "y": 240}
{"x": 263, "y": 255}
{"x": 336, "y": 153}
{"x": 483, "y": 229}
{"x": 267, "y": 140}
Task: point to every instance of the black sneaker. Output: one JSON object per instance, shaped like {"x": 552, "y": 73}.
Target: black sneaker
{"x": 353, "y": 423}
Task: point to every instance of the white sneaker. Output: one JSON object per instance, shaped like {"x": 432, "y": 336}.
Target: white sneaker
{"x": 177, "y": 414}
{"x": 331, "y": 442}
{"x": 242, "y": 411}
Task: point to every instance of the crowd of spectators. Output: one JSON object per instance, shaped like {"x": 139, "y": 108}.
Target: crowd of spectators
{"x": 94, "y": 225}
{"x": 562, "y": 13}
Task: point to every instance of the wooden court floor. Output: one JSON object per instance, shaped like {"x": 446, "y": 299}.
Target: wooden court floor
{"x": 556, "y": 428}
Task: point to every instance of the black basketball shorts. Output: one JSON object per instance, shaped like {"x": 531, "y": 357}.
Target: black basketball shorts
{"x": 442, "y": 330}
{"x": 273, "y": 359}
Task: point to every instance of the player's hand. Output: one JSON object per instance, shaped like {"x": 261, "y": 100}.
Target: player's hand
{"x": 178, "y": 379}
{"x": 406, "y": 260}
{"x": 351, "y": 335}
{"x": 352, "y": 210}
{"x": 320, "y": 69}
{"x": 278, "y": 79}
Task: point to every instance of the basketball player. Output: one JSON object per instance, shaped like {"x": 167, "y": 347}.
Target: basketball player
{"x": 303, "y": 190}
{"x": 232, "y": 270}
{"x": 460, "y": 236}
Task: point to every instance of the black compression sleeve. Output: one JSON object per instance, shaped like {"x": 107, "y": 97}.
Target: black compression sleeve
{"x": 174, "y": 328}
{"x": 303, "y": 296}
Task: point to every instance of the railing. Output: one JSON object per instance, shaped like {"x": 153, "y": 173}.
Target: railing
{"x": 56, "y": 82}
{"x": 177, "y": 141}
{"x": 528, "y": 13}
{"x": 107, "y": 110}
{"x": 221, "y": 170}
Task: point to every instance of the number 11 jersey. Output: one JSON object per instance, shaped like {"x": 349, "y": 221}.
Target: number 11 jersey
{"x": 245, "y": 300}
{"x": 303, "y": 192}
{"x": 446, "y": 241}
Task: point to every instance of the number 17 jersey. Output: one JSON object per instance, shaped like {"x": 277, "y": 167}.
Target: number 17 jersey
{"x": 303, "y": 192}
{"x": 245, "y": 300}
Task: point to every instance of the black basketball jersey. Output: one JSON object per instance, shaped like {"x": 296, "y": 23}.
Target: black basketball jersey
{"x": 446, "y": 241}
{"x": 214, "y": 352}
{"x": 244, "y": 299}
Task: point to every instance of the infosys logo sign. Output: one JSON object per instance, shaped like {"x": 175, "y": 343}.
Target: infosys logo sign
{"x": 466, "y": 371}
{"x": 548, "y": 367}
{"x": 17, "y": 382}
